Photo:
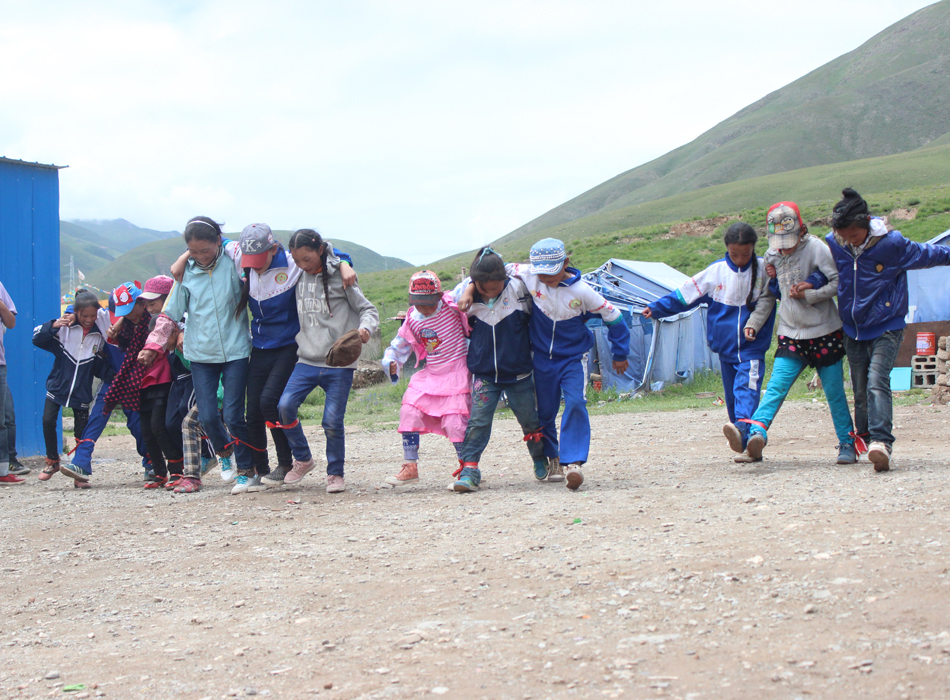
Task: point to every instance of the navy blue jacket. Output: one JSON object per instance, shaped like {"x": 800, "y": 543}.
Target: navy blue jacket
{"x": 872, "y": 283}
{"x": 499, "y": 349}
{"x": 78, "y": 359}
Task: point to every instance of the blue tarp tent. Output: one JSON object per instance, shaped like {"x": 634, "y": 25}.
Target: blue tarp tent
{"x": 928, "y": 291}
{"x": 661, "y": 352}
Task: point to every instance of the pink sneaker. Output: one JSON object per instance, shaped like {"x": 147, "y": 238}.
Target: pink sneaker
{"x": 335, "y": 484}
{"x": 407, "y": 475}
{"x": 300, "y": 469}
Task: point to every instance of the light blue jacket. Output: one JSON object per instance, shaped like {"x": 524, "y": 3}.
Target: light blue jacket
{"x": 210, "y": 297}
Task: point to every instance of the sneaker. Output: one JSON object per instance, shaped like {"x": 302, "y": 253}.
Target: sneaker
{"x": 48, "y": 471}
{"x": 335, "y": 484}
{"x": 555, "y": 469}
{"x": 541, "y": 469}
{"x": 207, "y": 464}
{"x": 188, "y": 485}
{"x": 734, "y": 436}
{"x": 11, "y": 480}
{"x": 241, "y": 484}
{"x": 276, "y": 476}
{"x": 17, "y": 468}
{"x": 77, "y": 484}
{"x": 254, "y": 484}
{"x": 468, "y": 480}
{"x": 73, "y": 472}
{"x": 755, "y": 446}
{"x": 174, "y": 481}
{"x": 298, "y": 472}
{"x": 847, "y": 453}
{"x": 880, "y": 456}
{"x": 408, "y": 474}
{"x": 156, "y": 482}
{"x": 574, "y": 476}
{"x": 745, "y": 458}
{"x": 227, "y": 469}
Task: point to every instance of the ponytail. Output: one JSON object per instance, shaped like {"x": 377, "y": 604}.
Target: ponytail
{"x": 308, "y": 238}
{"x": 245, "y": 294}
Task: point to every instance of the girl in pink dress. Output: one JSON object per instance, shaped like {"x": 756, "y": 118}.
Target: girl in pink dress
{"x": 438, "y": 398}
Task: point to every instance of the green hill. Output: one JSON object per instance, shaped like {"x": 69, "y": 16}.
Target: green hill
{"x": 155, "y": 258}
{"x": 121, "y": 234}
{"x": 890, "y": 95}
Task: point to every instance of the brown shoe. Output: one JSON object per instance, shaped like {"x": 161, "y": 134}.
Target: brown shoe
{"x": 52, "y": 466}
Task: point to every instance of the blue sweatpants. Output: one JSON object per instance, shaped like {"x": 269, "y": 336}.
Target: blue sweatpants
{"x": 742, "y": 382}
{"x": 785, "y": 371}
{"x": 98, "y": 420}
{"x": 551, "y": 378}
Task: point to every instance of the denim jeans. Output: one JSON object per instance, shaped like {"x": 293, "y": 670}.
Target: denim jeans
{"x": 485, "y": 395}
{"x": 336, "y": 382}
{"x": 233, "y": 375}
{"x": 785, "y": 371}
{"x": 871, "y": 364}
{"x": 98, "y": 421}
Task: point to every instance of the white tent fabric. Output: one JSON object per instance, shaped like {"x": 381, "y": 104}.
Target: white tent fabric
{"x": 666, "y": 351}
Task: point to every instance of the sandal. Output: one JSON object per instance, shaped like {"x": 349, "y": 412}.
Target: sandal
{"x": 188, "y": 485}
{"x": 52, "y": 466}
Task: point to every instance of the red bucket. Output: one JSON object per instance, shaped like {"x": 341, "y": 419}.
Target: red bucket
{"x": 926, "y": 343}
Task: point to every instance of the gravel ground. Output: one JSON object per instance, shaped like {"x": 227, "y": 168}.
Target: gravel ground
{"x": 672, "y": 573}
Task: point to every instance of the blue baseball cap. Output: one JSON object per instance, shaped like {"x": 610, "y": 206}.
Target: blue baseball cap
{"x": 547, "y": 257}
{"x": 123, "y": 297}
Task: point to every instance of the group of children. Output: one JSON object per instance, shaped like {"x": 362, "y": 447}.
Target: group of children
{"x": 860, "y": 262}
{"x": 200, "y": 385}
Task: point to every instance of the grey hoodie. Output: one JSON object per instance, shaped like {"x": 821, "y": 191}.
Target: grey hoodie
{"x": 815, "y": 315}
{"x": 323, "y": 320}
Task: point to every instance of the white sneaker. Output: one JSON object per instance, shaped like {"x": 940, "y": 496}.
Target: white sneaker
{"x": 241, "y": 484}
{"x": 227, "y": 469}
{"x": 574, "y": 476}
{"x": 880, "y": 456}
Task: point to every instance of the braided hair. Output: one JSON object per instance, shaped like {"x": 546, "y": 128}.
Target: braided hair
{"x": 740, "y": 233}
{"x": 851, "y": 211}
{"x": 308, "y": 238}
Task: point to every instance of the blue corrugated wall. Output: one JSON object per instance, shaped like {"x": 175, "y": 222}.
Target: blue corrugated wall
{"x": 29, "y": 269}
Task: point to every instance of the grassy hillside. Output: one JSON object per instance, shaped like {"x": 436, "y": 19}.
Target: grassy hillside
{"x": 155, "y": 258}
{"x": 690, "y": 237}
{"x": 929, "y": 167}
{"x": 890, "y": 95}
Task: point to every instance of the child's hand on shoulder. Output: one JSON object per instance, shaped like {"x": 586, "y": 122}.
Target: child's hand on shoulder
{"x": 114, "y": 330}
{"x": 349, "y": 277}
{"x": 467, "y": 298}
{"x": 64, "y": 321}
{"x": 770, "y": 270}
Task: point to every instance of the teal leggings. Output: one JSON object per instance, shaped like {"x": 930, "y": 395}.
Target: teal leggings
{"x": 784, "y": 373}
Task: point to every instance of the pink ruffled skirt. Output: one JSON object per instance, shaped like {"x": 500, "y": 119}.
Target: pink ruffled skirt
{"x": 438, "y": 400}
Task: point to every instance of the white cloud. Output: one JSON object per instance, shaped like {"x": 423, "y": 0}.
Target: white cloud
{"x": 418, "y": 128}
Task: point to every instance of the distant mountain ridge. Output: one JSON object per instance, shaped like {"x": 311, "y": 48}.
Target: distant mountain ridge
{"x": 890, "y": 95}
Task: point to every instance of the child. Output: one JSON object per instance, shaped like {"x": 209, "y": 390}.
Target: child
{"x": 438, "y": 398}
{"x": 154, "y": 390}
{"x": 270, "y": 278}
{"x": 872, "y": 302}
{"x": 809, "y": 328}
{"x": 731, "y": 287}
{"x": 77, "y": 346}
{"x": 217, "y": 340}
{"x": 561, "y": 341}
{"x": 327, "y": 312}
{"x": 7, "y": 437}
{"x": 499, "y": 357}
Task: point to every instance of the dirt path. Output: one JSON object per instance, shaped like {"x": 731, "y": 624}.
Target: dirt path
{"x": 673, "y": 573}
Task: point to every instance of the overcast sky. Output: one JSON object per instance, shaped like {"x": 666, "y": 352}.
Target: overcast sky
{"x": 419, "y": 128}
